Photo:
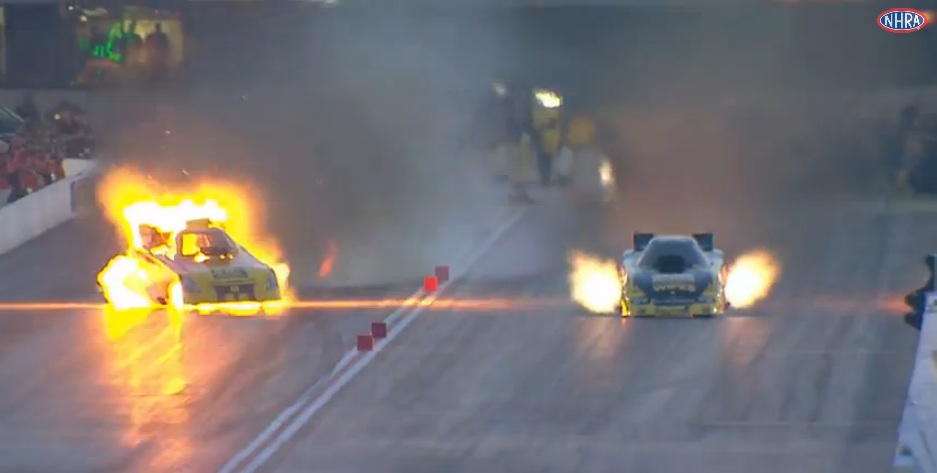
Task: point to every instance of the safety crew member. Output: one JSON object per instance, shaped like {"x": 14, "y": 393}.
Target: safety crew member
{"x": 495, "y": 126}
{"x": 523, "y": 165}
{"x": 546, "y": 116}
{"x": 519, "y": 146}
{"x": 581, "y": 132}
{"x": 918, "y": 298}
{"x": 580, "y": 135}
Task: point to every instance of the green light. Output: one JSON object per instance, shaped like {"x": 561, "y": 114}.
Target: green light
{"x": 108, "y": 50}
{"x": 114, "y": 37}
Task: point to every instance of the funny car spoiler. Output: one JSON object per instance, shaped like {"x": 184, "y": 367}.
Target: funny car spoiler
{"x": 705, "y": 240}
{"x": 640, "y": 240}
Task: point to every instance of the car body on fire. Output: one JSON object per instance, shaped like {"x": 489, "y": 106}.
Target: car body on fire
{"x": 673, "y": 276}
{"x": 202, "y": 264}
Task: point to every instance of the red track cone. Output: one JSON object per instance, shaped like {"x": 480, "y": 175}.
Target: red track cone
{"x": 365, "y": 343}
{"x": 378, "y": 330}
{"x": 430, "y": 284}
{"x": 442, "y": 273}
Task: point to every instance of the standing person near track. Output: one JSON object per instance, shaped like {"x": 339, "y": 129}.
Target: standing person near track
{"x": 525, "y": 164}
{"x": 579, "y": 138}
{"x": 521, "y": 149}
{"x": 546, "y": 120}
{"x": 917, "y": 298}
{"x": 492, "y": 130}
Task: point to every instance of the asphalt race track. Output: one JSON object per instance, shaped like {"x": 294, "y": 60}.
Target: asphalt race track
{"x": 812, "y": 380}
{"x": 87, "y": 391}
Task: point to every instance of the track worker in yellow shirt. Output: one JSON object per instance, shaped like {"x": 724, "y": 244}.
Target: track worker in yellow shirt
{"x": 579, "y": 136}
{"x": 548, "y": 130}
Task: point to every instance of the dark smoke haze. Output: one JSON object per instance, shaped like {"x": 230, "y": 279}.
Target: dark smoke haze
{"x": 353, "y": 123}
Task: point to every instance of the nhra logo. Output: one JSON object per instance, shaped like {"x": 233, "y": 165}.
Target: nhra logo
{"x": 902, "y": 20}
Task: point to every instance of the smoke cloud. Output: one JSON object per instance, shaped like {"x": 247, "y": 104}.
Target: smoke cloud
{"x": 353, "y": 125}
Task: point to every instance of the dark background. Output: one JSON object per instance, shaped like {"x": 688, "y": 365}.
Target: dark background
{"x": 755, "y": 46}
{"x": 751, "y": 47}
{"x": 350, "y": 122}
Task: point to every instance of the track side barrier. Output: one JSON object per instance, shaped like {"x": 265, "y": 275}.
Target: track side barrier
{"x": 46, "y": 208}
{"x": 917, "y": 436}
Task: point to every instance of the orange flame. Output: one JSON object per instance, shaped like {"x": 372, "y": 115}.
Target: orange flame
{"x": 130, "y": 199}
{"x": 328, "y": 264}
{"x": 751, "y": 278}
{"x": 594, "y": 283}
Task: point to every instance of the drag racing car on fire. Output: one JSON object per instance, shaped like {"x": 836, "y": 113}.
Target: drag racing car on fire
{"x": 673, "y": 276}
{"x": 200, "y": 264}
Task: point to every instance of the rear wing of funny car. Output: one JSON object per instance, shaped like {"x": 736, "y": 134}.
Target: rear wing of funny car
{"x": 706, "y": 241}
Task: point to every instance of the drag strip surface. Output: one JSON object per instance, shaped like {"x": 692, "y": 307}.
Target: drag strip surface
{"x": 812, "y": 380}
{"x": 90, "y": 391}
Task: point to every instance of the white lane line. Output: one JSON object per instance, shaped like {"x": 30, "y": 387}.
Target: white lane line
{"x": 288, "y": 422}
{"x": 291, "y": 411}
{"x": 900, "y": 231}
{"x": 408, "y": 304}
{"x": 281, "y": 420}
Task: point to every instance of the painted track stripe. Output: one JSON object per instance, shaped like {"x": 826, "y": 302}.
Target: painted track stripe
{"x": 282, "y": 429}
{"x": 284, "y": 417}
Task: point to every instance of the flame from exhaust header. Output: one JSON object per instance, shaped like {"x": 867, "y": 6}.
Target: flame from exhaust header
{"x": 595, "y": 283}
{"x": 751, "y": 277}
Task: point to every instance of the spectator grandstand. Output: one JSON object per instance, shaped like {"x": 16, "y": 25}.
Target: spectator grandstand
{"x": 31, "y": 154}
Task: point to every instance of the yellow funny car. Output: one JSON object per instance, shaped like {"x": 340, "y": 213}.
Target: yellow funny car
{"x": 196, "y": 266}
{"x": 673, "y": 276}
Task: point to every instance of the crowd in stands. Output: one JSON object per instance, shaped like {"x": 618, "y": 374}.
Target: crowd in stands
{"x": 33, "y": 146}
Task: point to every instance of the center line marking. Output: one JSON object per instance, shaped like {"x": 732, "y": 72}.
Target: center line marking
{"x": 282, "y": 429}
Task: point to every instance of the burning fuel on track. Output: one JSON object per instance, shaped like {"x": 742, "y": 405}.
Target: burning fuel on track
{"x": 594, "y": 281}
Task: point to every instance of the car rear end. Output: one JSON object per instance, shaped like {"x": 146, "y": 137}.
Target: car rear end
{"x": 676, "y": 305}
{"x": 256, "y": 285}
{"x": 645, "y": 300}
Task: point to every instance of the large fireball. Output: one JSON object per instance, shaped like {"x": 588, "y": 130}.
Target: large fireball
{"x": 751, "y": 278}
{"x": 130, "y": 199}
{"x": 594, "y": 283}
